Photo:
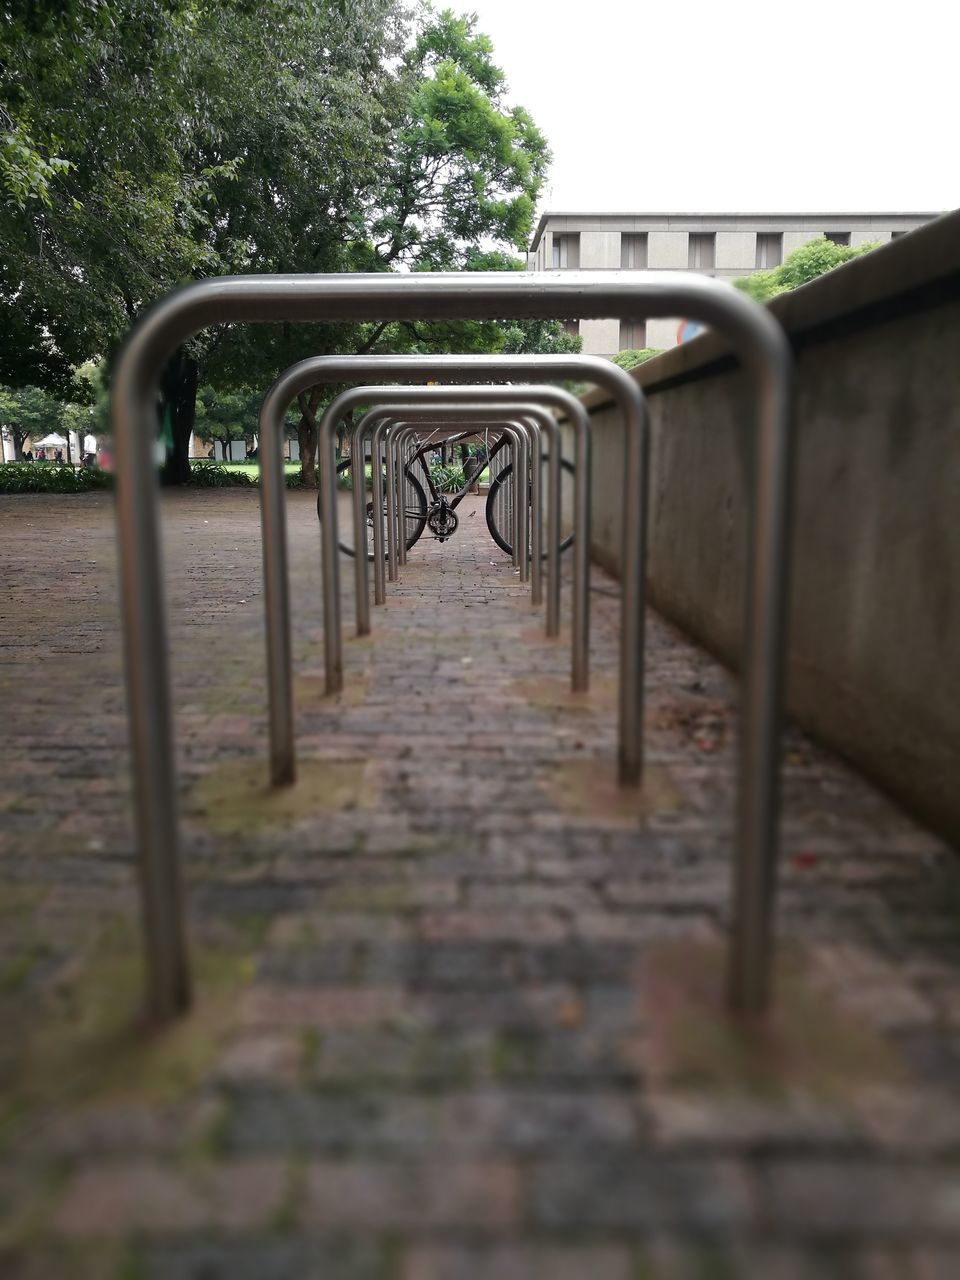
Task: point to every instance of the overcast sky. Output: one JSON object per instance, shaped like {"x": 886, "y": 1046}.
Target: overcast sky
{"x": 737, "y": 106}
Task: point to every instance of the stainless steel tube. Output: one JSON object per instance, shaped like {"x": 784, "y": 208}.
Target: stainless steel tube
{"x": 359, "y": 496}
{"x": 391, "y": 517}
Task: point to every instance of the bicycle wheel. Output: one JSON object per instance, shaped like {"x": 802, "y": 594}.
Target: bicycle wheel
{"x": 414, "y": 515}
{"x": 499, "y": 535}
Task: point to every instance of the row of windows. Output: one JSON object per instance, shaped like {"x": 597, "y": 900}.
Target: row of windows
{"x": 701, "y": 250}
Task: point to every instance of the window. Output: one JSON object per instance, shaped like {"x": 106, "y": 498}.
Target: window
{"x": 895, "y": 235}
{"x": 566, "y": 251}
{"x": 769, "y": 249}
{"x": 838, "y": 237}
{"x": 633, "y": 335}
{"x": 703, "y": 251}
{"x": 633, "y": 252}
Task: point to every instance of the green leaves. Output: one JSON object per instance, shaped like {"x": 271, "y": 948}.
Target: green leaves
{"x": 26, "y": 174}
{"x": 465, "y": 168}
{"x": 803, "y": 265}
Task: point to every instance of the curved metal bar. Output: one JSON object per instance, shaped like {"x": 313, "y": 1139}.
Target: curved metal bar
{"x": 756, "y": 338}
{"x": 398, "y": 439}
{"x": 391, "y": 517}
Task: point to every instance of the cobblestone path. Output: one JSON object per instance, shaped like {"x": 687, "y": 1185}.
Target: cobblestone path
{"x": 457, "y": 1002}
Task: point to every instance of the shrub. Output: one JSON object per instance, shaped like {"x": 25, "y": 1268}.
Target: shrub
{"x": 211, "y": 475}
{"x": 448, "y": 479}
{"x": 629, "y": 359}
{"x": 49, "y": 477}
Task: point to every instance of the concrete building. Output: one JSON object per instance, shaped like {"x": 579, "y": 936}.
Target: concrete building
{"x": 726, "y": 245}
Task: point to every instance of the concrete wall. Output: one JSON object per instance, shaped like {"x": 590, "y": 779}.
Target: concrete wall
{"x": 874, "y": 654}
{"x": 668, "y": 249}
{"x": 737, "y": 251}
{"x": 599, "y": 250}
{"x": 601, "y": 337}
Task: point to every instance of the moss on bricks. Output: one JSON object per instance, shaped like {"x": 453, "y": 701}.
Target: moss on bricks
{"x": 237, "y": 796}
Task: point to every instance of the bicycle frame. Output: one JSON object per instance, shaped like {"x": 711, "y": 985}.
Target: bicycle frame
{"x": 435, "y": 493}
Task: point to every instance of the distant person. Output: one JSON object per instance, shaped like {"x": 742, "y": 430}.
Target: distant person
{"x": 58, "y": 457}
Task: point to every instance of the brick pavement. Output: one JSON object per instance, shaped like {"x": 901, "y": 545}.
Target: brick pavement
{"x": 457, "y": 1014}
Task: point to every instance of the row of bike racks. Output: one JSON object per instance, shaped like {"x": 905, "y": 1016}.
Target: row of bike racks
{"x": 763, "y": 351}
{"x": 445, "y": 403}
{"x": 481, "y": 405}
{"x": 424, "y": 417}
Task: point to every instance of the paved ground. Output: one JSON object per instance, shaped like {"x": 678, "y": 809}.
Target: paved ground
{"x": 458, "y": 1005}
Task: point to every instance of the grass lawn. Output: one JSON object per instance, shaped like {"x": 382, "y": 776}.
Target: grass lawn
{"x": 252, "y": 468}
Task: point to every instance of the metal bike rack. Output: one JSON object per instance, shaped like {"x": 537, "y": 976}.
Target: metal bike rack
{"x": 393, "y": 536}
{"x": 429, "y": 414}
{"x": 757, "y": 340}
{"x": 398, "y": 439}
{"x": 398, "y": 436}
{"x": 446, "y": 401}
{"x": 459, "y": 370}
{"x": 379, "y": 419}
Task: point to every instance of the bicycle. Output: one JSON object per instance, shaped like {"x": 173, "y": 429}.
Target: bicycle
{"x": 439, "y": 513}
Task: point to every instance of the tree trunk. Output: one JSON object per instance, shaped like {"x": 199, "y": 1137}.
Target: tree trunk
{"x": 178, "y": 387}
{"x": 308, "y": 436}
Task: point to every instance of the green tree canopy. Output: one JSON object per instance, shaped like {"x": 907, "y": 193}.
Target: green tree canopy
{"x": 167, "y": 140}
{"x": 806, "y": 263}
{"x": 28, "y": 411}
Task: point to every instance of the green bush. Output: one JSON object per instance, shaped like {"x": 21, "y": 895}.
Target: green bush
{"x": 49, "y": 477}
{"x": 629, "y": 359}
{"x": 211, "y": 475}
{"x": 448, "y": 479}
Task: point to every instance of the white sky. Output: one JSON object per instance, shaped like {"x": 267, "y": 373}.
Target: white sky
{"x": 737, "y": 106}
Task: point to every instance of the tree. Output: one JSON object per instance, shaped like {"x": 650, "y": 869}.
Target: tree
{"x": 456, "y": 191}
{"x": 804, "y": 264}
{"x": 225, "y": 417}
{"x": 202, "y": 137}
{"x": 27, "y": 411}
{"x": 464, "y": 167}
{"x": 198, "y": 137}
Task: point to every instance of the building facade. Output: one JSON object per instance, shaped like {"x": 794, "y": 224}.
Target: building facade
{"x": 726, "y": 245}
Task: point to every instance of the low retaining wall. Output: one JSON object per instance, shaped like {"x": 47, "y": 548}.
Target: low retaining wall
{"x": 874, "y": 654}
